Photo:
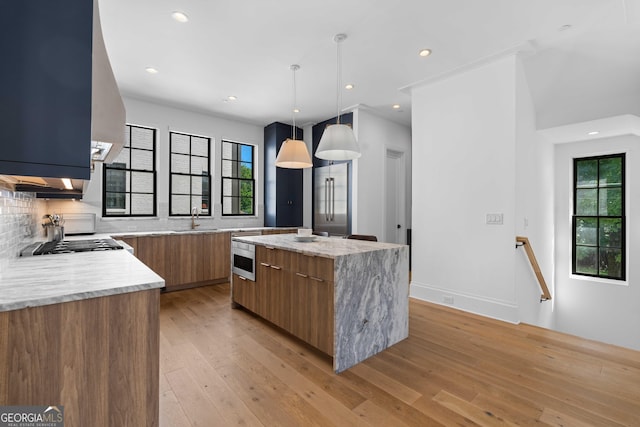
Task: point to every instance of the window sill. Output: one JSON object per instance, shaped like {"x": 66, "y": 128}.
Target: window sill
{"x": 600, "y": 280}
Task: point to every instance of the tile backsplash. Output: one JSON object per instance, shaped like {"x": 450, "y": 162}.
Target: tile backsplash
{"x": 20, "y": 215}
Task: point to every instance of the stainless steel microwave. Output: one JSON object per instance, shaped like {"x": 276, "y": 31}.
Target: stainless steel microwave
{"x": 243, "y": 259}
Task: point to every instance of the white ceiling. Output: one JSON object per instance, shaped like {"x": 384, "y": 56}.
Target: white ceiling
{"x": 245, "y": 47}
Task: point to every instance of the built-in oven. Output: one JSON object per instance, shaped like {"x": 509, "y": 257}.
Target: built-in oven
{"x": 243, "y": 259}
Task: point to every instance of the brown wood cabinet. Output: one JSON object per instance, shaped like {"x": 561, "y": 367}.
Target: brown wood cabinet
{"x": 99, "y": 358}
{"x": 131, "y": 241}
{"x": 279, "y": 231}
{"x": 216, "y": 252}
{"x": 312, "y": 301}
{"x": 155, "y": 252}
{"x": 293, "y": 291}
{"x": 244, "y": 293}
{"x": 185, "y": 260}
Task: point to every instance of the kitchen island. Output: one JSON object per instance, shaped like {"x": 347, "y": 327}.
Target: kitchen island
{"x": 348, "y": 298}
{"x": 81, "y": 330}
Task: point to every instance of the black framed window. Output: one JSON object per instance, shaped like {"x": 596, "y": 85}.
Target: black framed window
{"x": 238, "y": 179}
{"x": 130, "y": 181}
{"x": 598, "y": 217}
{"x": 190, "y": 177}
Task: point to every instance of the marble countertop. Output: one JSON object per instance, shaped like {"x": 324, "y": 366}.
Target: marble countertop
{"x": 328, "y": 247}
{"x": 51, "y": 279}
{"x": 118, "y": 234}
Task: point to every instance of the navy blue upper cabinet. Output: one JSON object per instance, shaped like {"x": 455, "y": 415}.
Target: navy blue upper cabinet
{"x": 45, "y": 94}
{"x": 283, "y": 187}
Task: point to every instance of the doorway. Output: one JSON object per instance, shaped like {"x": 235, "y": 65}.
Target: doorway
{"x": 394, "y": 212}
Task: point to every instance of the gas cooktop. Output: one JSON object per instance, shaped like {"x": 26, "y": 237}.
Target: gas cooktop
{"x": 70, "y": 246}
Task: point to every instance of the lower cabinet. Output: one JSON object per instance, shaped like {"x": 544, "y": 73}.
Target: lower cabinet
{"x": 185, "y": 260}
{"x": 245, "y": 293}
{"x": 216, "y": 256}
{"x": 155, "y": 253}
{"x": 97, "y": 357}
{"x": 293, "y": 291}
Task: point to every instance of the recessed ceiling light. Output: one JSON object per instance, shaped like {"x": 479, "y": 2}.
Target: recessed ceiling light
{"x": 348, "y": 86}
{"x": 231, "y": 98}
{"x": 595, "y": 132}
{"x": 424, "y": 52}
{"x": 180, "y": 16}
{"x": 295, "y": 110}
{"x": 396, "y": 106}
{"x": 151, "y": 70}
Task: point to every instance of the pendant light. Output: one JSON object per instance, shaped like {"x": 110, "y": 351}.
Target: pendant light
{"x": 338, "y": 141}
{"x": 293, "y": 153}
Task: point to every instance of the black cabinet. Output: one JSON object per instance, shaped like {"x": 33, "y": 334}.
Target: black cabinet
{"x": 282, "y": 187}
{"x": 45, "y": 100}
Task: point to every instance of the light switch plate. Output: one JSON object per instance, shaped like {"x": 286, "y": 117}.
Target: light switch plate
{"x": 494, "y": 219}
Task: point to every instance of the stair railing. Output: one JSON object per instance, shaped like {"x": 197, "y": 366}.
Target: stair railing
{"x": 523, "y": 241}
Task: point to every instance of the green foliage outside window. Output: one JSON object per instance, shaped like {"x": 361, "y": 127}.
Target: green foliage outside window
{"x": 598, "y": 221}
{"x": 238, "y": 182}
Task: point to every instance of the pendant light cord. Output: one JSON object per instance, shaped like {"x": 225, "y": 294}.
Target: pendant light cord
{"x": 338, "y": 40}
{"x": 294, "y": 68}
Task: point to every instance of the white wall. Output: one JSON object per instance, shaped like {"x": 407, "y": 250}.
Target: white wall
{"x": 164, "y": 119}
{"x": 476, "y": 151}
{"x": 464, "y": 128}
{"x": 604, "y": 310}
{"x": 376, "y": 135}
{"x": 534, "y": 209}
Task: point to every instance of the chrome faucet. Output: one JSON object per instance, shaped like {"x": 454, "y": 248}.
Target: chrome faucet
{"x": 194, "y": 215}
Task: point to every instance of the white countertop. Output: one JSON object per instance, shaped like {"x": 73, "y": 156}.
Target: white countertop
{"x": 51, "y": 279}
{"x": 328, "y": 247}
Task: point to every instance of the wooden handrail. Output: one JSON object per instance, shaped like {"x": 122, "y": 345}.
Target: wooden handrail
{"x": 536, "y": 268}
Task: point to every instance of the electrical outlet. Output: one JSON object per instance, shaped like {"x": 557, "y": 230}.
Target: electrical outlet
{"x": 447, "y": 299}
{"x": 494, "y": 219}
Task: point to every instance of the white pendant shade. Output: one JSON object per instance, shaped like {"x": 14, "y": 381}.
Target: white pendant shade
{"x": 338, "y": 143}
{"x": 293, "y": 154}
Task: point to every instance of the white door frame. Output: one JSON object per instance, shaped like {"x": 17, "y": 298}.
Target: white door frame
{"x": 399, "y": 156}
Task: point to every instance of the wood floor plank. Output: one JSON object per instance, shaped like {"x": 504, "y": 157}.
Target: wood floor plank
{"x": 455, "y": 369}
{"x": 171, "y": 412}
{"x": 194, "y": 402}
{"x": 298, "y": 383}
{"x": 389, "y": 383}
{"x": 480, "y": 416}
{"x": 267, "y": 396}
{"x": 558, "y": 419}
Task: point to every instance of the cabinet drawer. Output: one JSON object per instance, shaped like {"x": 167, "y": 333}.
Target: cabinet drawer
{"x": 273, "y": 256}
{"x": 314, "y": 266}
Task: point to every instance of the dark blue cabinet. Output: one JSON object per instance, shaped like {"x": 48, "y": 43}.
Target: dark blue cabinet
{"x": 283, "y": 187}
{"x": 45, "y": 99}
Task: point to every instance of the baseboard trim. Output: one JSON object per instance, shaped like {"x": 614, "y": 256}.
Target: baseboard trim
{"x": 494, "y": 309}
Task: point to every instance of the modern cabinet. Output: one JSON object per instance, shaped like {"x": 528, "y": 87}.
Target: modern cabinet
{"x": 155, "y": 253}
{"x": 216, "y": 252}
{"x": 45, "y": 99}
{"x": 245, "y": 293}
{"x": 293, "y": 291}
{"x": 185, "y": 260}
{"x": 347, "y": 298}
{"x": 283, "y": 187}
{"x": 97, "y": 357}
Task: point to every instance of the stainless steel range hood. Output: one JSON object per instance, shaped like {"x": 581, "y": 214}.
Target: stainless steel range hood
{"x": 108, "y": 115}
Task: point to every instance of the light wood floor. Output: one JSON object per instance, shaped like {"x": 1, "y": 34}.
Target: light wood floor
{"x": 224, "y": 367}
